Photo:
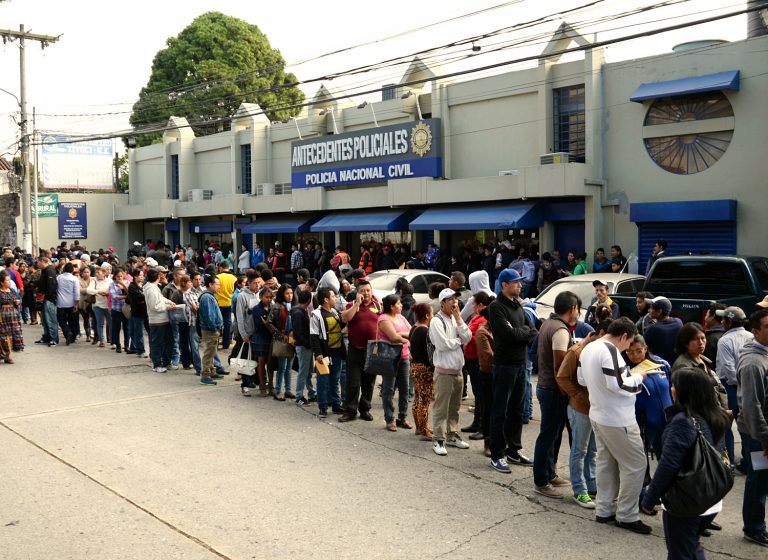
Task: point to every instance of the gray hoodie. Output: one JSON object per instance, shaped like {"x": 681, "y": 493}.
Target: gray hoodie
{"x": 478, "y": 282}
{"x": 246, "y": 301}
{"x": 752, "y": 392}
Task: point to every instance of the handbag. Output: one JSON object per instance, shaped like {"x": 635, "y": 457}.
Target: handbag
{"x": 244, "y": 365}
{"x": 381, "y": 356}
{"x": 282, "y": 349}
{"x": 703, "y": 480}
{"x": 127, "y": 310}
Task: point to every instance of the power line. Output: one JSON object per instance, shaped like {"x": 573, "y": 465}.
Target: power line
{"x": 562, "y": 52}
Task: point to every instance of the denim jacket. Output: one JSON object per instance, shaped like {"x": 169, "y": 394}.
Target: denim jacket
{"x": 209, "y": 314}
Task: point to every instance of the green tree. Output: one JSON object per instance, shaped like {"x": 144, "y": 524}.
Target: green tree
{"x": 204, "y": 74}
{"x": 120, "y": 175}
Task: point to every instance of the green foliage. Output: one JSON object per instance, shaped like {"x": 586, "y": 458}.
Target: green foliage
{"x": 120, "y": 165}
{"x": 204, "y": 74}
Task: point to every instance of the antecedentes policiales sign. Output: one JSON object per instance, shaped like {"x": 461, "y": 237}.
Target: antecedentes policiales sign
{"x": 376, "y": 155}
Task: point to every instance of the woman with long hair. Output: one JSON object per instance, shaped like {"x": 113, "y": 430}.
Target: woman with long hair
{"x": 29, "y": 313}
{"x": 260, "y": 341}
{"x": 86, "y": 301}
{"x": 118, "y": 290}
{"x": 690, "y": 344}
{"x": 393, "y": 327}
{"x": 421, "y": 369}
{"x": 282, "y": 320}
{"x": 99, "y": 287}
{"x": 695, "y": 406}
{"x": 10, "y": 320}
{"x": 654, "y": 396}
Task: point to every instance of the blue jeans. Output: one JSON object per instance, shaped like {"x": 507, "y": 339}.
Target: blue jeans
{"x": 553, "y": 405}
{"x": 119, "y": 322}
{"x": 528, "y": 404}
{"x": 507, "y": 409}
{"x": 185, "y": 352}
{"x": 136, "y": 328}
{"x": 755, "y": 488}
{"x": 583, "y": 454}
{"x": 101, "y": 315}
{"x": 388, "y": 386}
{"x": 304, "y": 377}
{"x": 328, "y": 385}
{"x": 176, "y": 353}
{"x": 226, "y": 336}
{"x": 50, "y": 322}
{"x": 283, "y": 375}
{"x": 733, "y": 404}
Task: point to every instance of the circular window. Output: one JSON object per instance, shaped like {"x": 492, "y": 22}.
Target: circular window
{"x": 688, "y": 134}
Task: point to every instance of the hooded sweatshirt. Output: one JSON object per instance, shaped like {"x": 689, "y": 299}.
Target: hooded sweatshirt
{"x": 752, "y": 392}
{"x": 478, "y": 282}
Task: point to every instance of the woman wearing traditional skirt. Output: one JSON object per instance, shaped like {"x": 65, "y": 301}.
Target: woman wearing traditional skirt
{"x": 10, "y": 321}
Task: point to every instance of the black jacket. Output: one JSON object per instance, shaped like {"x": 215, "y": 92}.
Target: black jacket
{"x": 300, "y": 322}
{"x": 678, "y": 438}
{"x": 136, "y": 300}
{"x": 512, "y": 331}
{"x": 48, "y": 284}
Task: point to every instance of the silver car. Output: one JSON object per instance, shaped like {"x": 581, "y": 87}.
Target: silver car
{"x": 581, "y": 285}
{"x": 383, "y": 282}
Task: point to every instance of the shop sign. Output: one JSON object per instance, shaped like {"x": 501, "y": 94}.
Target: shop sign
{"x": 376, "y": 155}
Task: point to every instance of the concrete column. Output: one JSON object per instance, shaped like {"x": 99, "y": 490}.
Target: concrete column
{"x": 547, "y": 237}
{"x": 592, "y": 223}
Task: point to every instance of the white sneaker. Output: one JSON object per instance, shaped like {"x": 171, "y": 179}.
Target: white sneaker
{"x": 174, "y": 366}
{"x": 439, "y": 448}
{"x": 159, "y": 370}
{"x": 456, "y": 441}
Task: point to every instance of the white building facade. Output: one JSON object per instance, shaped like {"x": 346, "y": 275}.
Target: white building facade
{"x": 569, "y": 155}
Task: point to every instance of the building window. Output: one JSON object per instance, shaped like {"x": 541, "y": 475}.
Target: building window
{"x": 568, "y": 115}
{"x": 245, "y": 167}
{"x": 690, "y": 133}
{"x": 175, "y": 177}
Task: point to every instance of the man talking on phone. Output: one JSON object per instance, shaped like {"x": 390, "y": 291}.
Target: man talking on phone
{"x": 360, "y": 316}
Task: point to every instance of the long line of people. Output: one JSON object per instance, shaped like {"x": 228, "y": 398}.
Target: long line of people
{"x": 620, "y": 400}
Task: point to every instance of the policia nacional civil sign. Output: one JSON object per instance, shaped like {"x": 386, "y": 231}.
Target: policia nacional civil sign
{"x": 374, "y": 155}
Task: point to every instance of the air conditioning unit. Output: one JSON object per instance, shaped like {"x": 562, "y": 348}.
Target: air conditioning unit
{"x": 282, "y": 188}
{"x": 263, "y": 189}
{"x": 557, "y": 157}
{"x": 514, "y": 172}
{"x": 199, "y": 195}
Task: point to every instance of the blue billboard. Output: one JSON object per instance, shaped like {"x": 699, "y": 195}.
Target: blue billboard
{"x": 73, "y": 220}
{"x": 376, "y": 155}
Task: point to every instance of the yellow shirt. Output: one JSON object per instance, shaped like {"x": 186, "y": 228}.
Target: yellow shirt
{"x": 224, "y": 295}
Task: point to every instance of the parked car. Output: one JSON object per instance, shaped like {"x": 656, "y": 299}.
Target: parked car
{"x": 581, "y": 285}
{"x": 692, "y": 283}
{"x": 383, "y": 282}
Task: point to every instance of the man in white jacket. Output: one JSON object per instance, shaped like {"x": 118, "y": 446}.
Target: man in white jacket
{"x": 160, "y": 337}
{"x": 448, "y": 332}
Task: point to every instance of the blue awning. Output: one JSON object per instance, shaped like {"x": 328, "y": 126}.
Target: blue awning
{"x": 491, "y": 217}
{"x": 684, "y": 86}
{"x": 381, "y": 220}
{"x": 688, "y": 211}
{"x": 224, "y": 226}
{"x": 295, "y": 223}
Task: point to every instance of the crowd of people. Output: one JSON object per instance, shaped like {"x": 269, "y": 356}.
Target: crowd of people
{"x": 623, "y": 390}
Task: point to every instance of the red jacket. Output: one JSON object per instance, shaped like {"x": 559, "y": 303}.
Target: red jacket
{"x": 470, "y": 350}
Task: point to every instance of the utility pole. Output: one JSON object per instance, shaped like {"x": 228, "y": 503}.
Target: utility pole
{"x": 36, "y": 225}
{"x": 26, "y": 199}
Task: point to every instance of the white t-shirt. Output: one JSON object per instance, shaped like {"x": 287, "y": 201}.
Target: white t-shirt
{"x": 612, "y": 389}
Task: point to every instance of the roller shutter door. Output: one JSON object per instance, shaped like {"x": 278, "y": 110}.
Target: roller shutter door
{"x": 717, "y": 238}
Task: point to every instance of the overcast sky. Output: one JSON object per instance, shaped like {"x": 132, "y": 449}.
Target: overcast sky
{"x": 104, "y": 56}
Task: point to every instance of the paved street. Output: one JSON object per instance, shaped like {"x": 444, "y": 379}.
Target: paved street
{"x": 102, "y": 458}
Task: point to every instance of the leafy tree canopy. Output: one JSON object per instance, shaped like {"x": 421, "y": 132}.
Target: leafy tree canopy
{"x": 204, "y": 74}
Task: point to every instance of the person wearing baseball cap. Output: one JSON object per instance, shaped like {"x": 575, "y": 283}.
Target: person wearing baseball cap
{"x": 448, "y": 333}
{"x": 729, "y": 348}
{"x": 601, "y": 298}
{"x": 513, "y": 332}
{"x": 660, "y": 337}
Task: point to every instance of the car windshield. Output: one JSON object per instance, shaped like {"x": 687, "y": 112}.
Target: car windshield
{"x": 584, "y": 290}
{"x": 384, "y": 282}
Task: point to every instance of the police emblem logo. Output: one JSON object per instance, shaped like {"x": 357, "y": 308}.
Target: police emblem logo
{"x": 72, "y": 213}
{"x": 421, "y": 139}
